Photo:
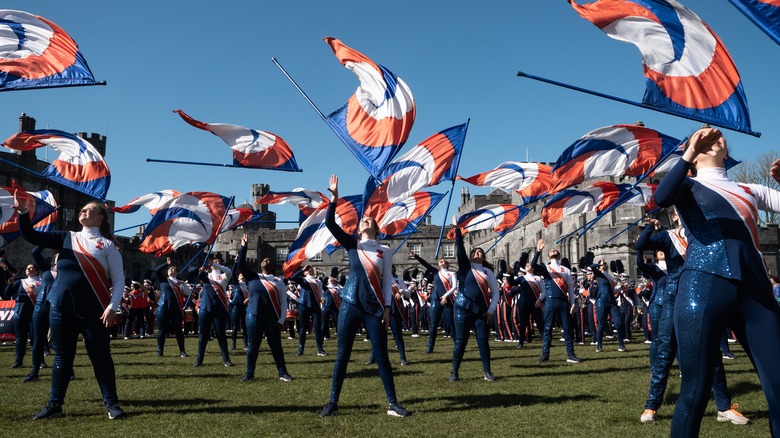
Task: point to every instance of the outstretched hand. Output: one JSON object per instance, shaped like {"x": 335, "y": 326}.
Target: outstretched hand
{"x": 540, "y": 245}
{"x": 333, "y": 187}
{"x": 774, "y": 170}
{"x": 701, "y": 140}
{"x": 21, "y": 209}
{"x": 244, "y": 239}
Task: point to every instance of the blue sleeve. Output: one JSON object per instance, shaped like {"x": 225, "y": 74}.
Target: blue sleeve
{"x": 43, "y": 263}
{"x": 161, "y": 272}
{"x": 464, "y": 263}
{"x": 243, "y": 268}
{"x": 674, "y": 185}
{"x": 347, "y": 241}
{"x": 540, "y": 269}
{"x": 51, "y": 239}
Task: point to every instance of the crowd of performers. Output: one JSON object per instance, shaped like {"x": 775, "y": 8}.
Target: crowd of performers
{"x": 704, "y": 282}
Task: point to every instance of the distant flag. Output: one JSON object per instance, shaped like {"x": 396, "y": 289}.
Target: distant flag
{"x": 313, "y": 235}
{"x": 434, "y": 160}
{"x": 251, "y": 148}
{"x": 36, "y": 53}
{"x": 190, "y": 218}
{"x": 306, "y": 200}
{"x": 610, "y": 151}
{"x": 41, "y": 206}
{"x": 152, "y": 201}
{"x": 500, "y": 218}
{"x": 404, "y": 215}
{"x": 595, "y": 198}
{"x": 764, "y": 13}
{"x": 687, "y": 68}
{"x": 530, "y": 180}
{"x": 376, "y": 121}
{"x": 238, "y": 216}
{"x": 79, "y": 165}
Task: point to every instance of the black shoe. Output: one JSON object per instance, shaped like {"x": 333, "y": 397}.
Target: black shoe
{"x": 599, "y": 349}
{"x": 52, "y": 410}
{"x": 72, "y": 376}
{"x": 284, "y": 376}
{"x": 520, "y": 346}
{"x": 43, "y": 365}
{"x": 248, "y": 377}
{"x": 573, "y": 359}
{"x": 228, "y": 363}
{"x": 330, "y": 409}
{"x": 321, "y": 353}
{"x": 32, "y": 377}
{"x": 16, "y": 364}
{"x": 370, "y": 361}
{"x": 183, "y": 354}
{"x": 197, "y": 363}
{"x": 428, "y": 350}
{"x": 397, "y": 410}
{"x": 454, "y": 377}
{"x": 159, "y": 353}
{"x": 489, "y": 376}
{"x": 404, "y": 362}
{"x": 114, "y": 411}
{"x": 299, "y": 352}
{"x": 543, "y": 359}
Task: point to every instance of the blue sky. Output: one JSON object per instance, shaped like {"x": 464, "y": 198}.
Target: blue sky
{"x": 460, "y": 59}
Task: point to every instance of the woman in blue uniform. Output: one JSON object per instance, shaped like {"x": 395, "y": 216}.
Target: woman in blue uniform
{"x": 25, "y": 290}
{"x": 475, "y": 305}
{"x": 724, "y": 278}
{"x": 83, "y": 298}
{"x": 170, "y": 306}
{"x": 213, "y": 308}
{"x": 40, "y": 319}
{"x": 365, "y": 298}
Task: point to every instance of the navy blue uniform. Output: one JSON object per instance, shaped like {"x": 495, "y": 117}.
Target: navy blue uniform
{"x": 213, "y": 309}
{"x": 170, "y": 314}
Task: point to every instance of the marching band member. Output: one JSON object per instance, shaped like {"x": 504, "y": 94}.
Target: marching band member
{"x": 170, "y": 306}
{"x": 213, "y": 308}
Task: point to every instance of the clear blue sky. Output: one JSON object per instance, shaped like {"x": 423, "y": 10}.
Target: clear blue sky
{"x": 460, "y": 58}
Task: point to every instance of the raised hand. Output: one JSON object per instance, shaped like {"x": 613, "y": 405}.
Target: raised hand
{"x": 333, "y": 188}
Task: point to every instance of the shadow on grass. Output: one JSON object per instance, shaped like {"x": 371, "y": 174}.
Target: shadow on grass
{"x": 471, "y": 402}
{"x": 207, "y": 406}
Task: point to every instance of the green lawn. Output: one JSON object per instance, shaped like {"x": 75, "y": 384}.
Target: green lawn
{"x": 602, "y": 396}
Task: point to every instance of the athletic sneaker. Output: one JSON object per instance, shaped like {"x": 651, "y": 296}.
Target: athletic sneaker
{"x": 622, "y": 349}
{"x": 114, "y": 411}
{"x": 573, "y": 359}
{"x": 284, "y": 376}
{"x": 489, "y": 376}
{"x": 32, "y": 377}
{"x": 51, "y": 410}
{"x": 321, "y": 353}
{"x": 733, "y": 415}
{"x": 248, "y": 378}
{"x": 404, "y": 362}
{"x": 729, "y": 356}
{"x": 228, "y": 363}
{"x": 648, "y": 341}
{"x": 330, "y": 409}
{"x": 599, "y": 349}
{"x": 397, "y": 410}
{"x": 183, "y": 354}
{"x": 647, "y": 416}
{"x": 454, "y": 377}
{"x": 543, "y": 359}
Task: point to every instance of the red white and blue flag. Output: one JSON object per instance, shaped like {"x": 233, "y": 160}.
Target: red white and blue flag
{"x": 434, "y": 160}
{"x": 313, "y": 235}
{"x": 500, "y": 218}
{"x": 595, "y": 198}
{"x": 306, "y": 200}
{"x": 36, "y": 53}
{"x": 687, "y": 68}
{"x": 238, "y": 216}
{"x": 79, "y": 165}
{"x": 41, "y": 206}
{"x": 764, "y": 13}
{"x": 191, "y": 218}
{"x": 404, "y": 215}
{"x": 642, "y": 196}
{"x": 530, "y": 180}
{"x": 151, "y": 201}
{"x": 251, "y": 148}
{"x": 611, "y": 151}
{"x": 376, "y": 121}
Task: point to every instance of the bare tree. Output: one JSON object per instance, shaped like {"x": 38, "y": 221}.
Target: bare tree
{"x": 756, "y": 171}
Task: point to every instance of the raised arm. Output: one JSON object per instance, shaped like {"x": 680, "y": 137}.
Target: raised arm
{"x": 422, "y": 261}
{"x": 347, "y": 241}
{"x": 248, "y": 273}
{"x": 43, "y": 263}
{"x": 161, "y": 271}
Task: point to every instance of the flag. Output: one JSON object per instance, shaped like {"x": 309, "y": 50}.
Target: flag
{"x": 306, "y": 200}
{"x": 530, "y": 180}
{"x": 595, "y": 198}
{"x": 500, "y": 218}
{"x": 404, "y": 215}
{"x": 642, "y": 196}
{"x": 251, "y": 148}
{"x": 79, "y": 165}
{"x": 688, "y": 71}
{"x": 152, "y": 201}
{"x": 313, "y": 235}
{"x": 36, "y": 53}
{"x": 434, "y": 160}
{"x": 610, "y": 151}
{"x": 764, "y": 13}
{"x": 238, "y": 216}
{"x": 376, "y": 121}
{"x": 669, "y": 162}
{"x": 187, "y": 219}
{"x": 41, "y": 206}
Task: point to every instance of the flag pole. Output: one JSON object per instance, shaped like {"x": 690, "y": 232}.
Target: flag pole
{"x": 127, "y": 228}
{"x": 452, "y": 190}
{"x": 415, "y": 228}
{"x": 57, "y": 86}
{"x": 197, "y": 163}
{"x": 629, "y": 102}
{"x": 322, "y": 116}
{"x": 631, "y": 225}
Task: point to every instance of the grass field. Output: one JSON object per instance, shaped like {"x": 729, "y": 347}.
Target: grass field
{"x": 600, "y": 397}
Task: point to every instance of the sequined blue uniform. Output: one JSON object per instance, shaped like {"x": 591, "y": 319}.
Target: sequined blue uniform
{"x": 558, "y": 298}
{"x": 724, "y": 279}
{"x": 606, "y": 303}
{"x": 169, "y": 312}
